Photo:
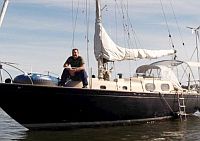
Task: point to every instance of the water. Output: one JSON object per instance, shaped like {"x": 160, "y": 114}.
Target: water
{"x": 153, "y": 131}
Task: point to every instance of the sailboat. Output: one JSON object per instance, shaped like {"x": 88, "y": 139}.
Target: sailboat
{"x": 154, "y": 93}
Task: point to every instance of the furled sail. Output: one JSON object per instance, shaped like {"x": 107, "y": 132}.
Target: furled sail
{"x": 105, "y": 48}
{"x": 3, "y": 11}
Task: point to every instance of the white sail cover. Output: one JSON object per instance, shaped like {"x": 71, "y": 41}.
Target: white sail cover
{"x": 3, "y": 11}
{"x": 104, "y": 47}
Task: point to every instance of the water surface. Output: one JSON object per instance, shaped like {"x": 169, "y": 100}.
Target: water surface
{"x": 171, "y": 130}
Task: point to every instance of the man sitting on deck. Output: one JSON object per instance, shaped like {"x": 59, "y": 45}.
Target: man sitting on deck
{"x": 74, "y": 69}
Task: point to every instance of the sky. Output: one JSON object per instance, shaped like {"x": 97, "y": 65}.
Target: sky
{"x": 38, "y": 35}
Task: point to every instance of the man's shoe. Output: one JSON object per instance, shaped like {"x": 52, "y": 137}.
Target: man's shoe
{"x": 60, "y": 84}
{"x": 84, "y": 86}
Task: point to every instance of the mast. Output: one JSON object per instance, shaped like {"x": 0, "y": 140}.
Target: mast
{"x": 97, "y": 23}
{"x": 3, "y": 11}
{"x": 197, "y": 48}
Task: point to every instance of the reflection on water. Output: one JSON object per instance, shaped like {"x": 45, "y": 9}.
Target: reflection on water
{"x": 152, "y": 131}
{"x": 197, "y": 113}
{"x": 9, "y": 129}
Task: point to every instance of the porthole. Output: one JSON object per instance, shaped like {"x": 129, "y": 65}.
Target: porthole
{"x": 102, "y": 87}
{"x": 165, "y": 87}
{"x": 150, "y": 87}
{"x": 124, "y": 88}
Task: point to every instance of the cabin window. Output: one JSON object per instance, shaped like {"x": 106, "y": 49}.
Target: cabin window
{"x": 153, "y": 73}
{"x": 150, "y": 87}
{"x": 165, "y": 87}
{"x": 124, "y": 88}
{"x": 102, "y": 87}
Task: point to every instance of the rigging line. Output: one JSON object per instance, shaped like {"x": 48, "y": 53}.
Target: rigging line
{"x": 116, "y": 38}
{"x": 162, "y": 96}
{"x": 192, "y": 74}
{"x": 116, "y": 22}
{"x": 130, "y": 31}
{"x": 133, "y": 32}
{"x": 125, "y": 20}
{"x": 114, "y": 68}
{"x": 185, "y": 73}
{"x": 137, "y": 42}
{"x": 177, "y": 72}
{"x": 124, "y": 24}
{"x": 165, "y": 18}
{"x": 74, "y": 21}
{"x": 122, "y": 15}
{"x": 127, "y": 29}
{"x": 193, "y": 53}
{"x": 197, "y": 44}
{"x": 87, "y": 28}
{"x": 177, "y": 23}
{"x": 197, "y": 48}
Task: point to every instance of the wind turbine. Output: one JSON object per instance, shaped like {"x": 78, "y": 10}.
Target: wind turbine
{"x": 196, "y": 32}
{"x": 3, "y": 11}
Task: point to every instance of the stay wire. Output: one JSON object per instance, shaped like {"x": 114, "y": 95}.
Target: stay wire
{"x": 178, "y": 26}
{"x": 126, "y": 26}
{"x": 116, "y": 37}
{"x": 87, "y": 14}
{"x": 177, "y": 23}
{"x": 74, "y": 22}
{"x": 165, "y": 18}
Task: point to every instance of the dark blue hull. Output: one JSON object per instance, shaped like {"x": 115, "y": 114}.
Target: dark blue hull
{"x": 44, "y": 107}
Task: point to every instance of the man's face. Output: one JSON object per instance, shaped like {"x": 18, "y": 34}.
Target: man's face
{"x": 75, "y": 54}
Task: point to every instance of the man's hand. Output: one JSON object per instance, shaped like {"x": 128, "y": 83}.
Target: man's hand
{"x": 72, "y": 71}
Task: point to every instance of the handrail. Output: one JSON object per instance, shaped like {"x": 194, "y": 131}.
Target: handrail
{"x": 10, "y": 64}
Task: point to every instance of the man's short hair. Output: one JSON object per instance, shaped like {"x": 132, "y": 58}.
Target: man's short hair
{"x": 74, "y": 50}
